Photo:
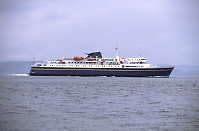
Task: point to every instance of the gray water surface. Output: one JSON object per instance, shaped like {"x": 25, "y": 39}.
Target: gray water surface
{"x": 98, "y": 103}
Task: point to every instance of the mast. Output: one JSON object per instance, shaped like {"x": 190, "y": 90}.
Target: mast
{"x": 117, "y": 55}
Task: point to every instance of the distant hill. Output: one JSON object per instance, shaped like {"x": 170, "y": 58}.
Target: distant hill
{"x": 182, "y": 70}
{"x": 20, "y": 67}
{"x": 23, "y": 67}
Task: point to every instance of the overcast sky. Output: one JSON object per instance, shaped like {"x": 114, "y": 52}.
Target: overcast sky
{"x": 163, "y": 31}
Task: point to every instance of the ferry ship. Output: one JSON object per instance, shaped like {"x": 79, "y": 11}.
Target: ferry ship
{"x": 95, "y": 65}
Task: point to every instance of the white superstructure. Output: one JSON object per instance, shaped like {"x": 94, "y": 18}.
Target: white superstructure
{"x": 91, "y": 62}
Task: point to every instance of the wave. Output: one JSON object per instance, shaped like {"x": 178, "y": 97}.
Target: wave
{"x": 19, "y": 74}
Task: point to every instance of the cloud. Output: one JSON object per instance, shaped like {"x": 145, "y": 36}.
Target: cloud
{"x": 54, "y": 29}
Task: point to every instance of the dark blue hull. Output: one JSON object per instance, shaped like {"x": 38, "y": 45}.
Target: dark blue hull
{"x": 133, "y": 72}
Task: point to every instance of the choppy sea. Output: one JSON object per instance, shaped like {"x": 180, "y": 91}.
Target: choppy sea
{"x": 54, "y": 103}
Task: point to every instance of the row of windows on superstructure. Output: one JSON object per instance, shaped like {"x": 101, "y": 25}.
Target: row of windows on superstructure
{"x": 96, "y": 66}
{"x": 87, "y": 62}
{"x": 82, "y": 62}
{"x": 90, "y": 62}
{"x": 137, "y": 62}
{"x": 55, "y": 62}
{"x": 85, "y": 65}
{"x": 108, "y": 59}
{"x": 136, "y": 59}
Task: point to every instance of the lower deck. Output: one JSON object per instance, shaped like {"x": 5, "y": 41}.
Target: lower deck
{"x": 130, "y": 72}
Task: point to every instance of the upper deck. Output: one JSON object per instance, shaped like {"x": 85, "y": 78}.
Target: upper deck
{"x": 96, "y": 63}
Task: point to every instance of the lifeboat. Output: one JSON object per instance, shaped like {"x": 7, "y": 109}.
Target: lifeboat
{"x": 78, "y": 58}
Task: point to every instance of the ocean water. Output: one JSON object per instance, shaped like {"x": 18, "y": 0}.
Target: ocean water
{"x": 98, "y": 103}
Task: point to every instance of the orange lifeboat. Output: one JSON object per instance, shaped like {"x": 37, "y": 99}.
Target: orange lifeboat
{"x": 78, "y": 58}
